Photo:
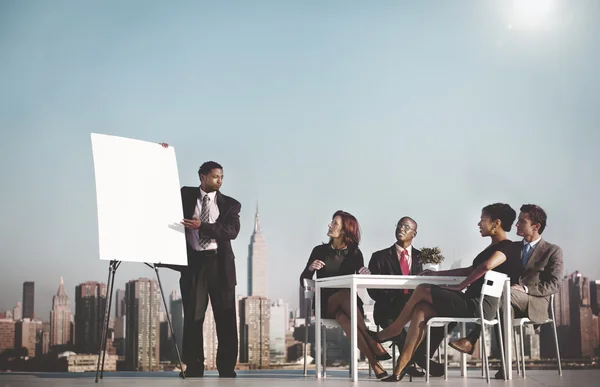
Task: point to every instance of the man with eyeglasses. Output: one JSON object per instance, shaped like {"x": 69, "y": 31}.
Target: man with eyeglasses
{"x": 402, "y": 259}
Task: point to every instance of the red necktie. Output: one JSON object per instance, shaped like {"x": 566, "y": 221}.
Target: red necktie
{"x": 404, "y": 265}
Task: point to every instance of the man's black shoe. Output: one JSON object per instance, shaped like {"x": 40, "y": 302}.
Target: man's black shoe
{"x": 193, "y": 371}
{"x": 230, "y": 374}
{"x": 192, "y": 374}
{"x": 499, "y": 374}
{"x": 435, "y": 368}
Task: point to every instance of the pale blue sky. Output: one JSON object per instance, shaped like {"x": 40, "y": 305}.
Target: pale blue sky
{"x": 431, "y": 109}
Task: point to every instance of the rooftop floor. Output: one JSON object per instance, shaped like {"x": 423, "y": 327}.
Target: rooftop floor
{"x": 289, "y": 378}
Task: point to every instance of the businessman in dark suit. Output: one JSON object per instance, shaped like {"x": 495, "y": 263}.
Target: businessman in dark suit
{"x": 401, "y": 259}
{"x": 542, "y": 272}
{"x": 211, "y": 221}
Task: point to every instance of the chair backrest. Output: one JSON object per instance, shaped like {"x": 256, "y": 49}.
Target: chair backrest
{"x": 309, "y": 288}
{"x": 493, "y": 284}
{"x": 309, "y": 294}
{"x": 551, "y": 315}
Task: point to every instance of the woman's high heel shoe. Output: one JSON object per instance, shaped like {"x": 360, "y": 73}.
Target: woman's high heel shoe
{"x": 398, "y": 377}
{"x": 381, "y": 375}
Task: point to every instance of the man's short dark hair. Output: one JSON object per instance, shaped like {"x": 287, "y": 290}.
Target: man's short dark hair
{"x": 536, "y": 214}
{"x": 410, "y": 220}
{"x": 208, "y": 166}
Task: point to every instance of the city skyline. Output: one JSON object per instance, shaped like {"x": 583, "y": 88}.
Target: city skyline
{"x": 263, "y": 325}
{"x": 257, "y": 237}
{"x": 384, "y": 110}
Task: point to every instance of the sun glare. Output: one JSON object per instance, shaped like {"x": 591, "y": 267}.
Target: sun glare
{"x": 532, "y": 13}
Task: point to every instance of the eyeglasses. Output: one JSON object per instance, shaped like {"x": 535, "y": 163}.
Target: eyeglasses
{"x": 405, "y": 227}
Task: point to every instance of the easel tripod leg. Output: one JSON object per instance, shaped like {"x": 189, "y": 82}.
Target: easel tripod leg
{"x": 102, "y": 352}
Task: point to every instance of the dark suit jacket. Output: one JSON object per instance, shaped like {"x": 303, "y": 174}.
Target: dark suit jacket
{"x": 386, "y": 262}
{"x": 224, "y": 230}
{"x": 353, "y": 262}
{"x": 542, "y": 275}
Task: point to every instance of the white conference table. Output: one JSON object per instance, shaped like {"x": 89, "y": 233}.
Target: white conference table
{"x": 370, "y": 281}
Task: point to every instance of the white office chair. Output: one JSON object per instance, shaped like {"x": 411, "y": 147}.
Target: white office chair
{"x": 493, "y": 286}
{"x": 309, "y": 295}
{"x": 520, "y": 322}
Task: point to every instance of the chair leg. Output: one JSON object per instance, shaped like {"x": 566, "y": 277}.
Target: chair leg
{"x": 427, "y": 352}
{"x": 522, "y": 349}
{"x": 557, "y": 349}
{"x": 481, "y": 355}
{"x": 446, "y": 352}
{"x": 516, "y": 349}
{"x": 484, "y": 353}
{"x": 499, "y": 327}
{"x": 305, "y": 349}
{"x": 324, "y": 351}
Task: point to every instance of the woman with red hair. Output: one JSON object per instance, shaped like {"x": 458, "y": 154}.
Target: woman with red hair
{"x": 341, "y": 256}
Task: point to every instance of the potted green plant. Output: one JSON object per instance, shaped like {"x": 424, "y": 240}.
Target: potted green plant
{"x": 431, "y": 258}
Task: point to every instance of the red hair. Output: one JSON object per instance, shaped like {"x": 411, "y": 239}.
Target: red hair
{"x": 350, "y": 228}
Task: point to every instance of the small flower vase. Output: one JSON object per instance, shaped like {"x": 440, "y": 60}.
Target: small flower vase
{"x": 431, "y": 266}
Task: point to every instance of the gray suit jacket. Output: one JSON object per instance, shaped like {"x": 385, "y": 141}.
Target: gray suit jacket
{"x": 542, "y": 275}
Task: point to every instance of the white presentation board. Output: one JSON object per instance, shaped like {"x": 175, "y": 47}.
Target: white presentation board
{"x": 139, "y": 201}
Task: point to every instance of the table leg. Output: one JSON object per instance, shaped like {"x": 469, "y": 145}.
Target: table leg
{"x": 507, "y": 330}
{"x": 353, "y": 332}
{"x": 317, "y": 331}
{"x": 463, "y": 356}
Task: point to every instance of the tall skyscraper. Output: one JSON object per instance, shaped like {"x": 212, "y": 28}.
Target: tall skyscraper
{"x": 254, "y": 332}
{"x": 120, "y": 303}
{"x": 120, "y": 321}
{"x": 211, "y": 342}
{"x": 7, "y": 334}
{"x": 142, "y": 338}
{"x": 28, "y": 297}
{"x": 45, "y": 344}
{"x": 18, "y": 311}
{"x": 595, "y": 296}
{"x": 574, "y": 320}
{"x": 176, "y": 309}
{"x": 60, "y": 317}
{"x": 26, "y": 335}
{"x": 278, "y": 325}
{"x": 257, "y": 262}
{"x": 90, "y": 304}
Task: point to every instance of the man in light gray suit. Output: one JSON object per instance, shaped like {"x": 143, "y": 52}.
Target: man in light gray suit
{"x": 542, "y": 272}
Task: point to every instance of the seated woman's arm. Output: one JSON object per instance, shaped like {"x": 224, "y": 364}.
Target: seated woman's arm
{"x": 479, "y": 271}
{"x": 308, "y": 271}
{"x": 460, "y": 272}
{"x": 359, "y": 263}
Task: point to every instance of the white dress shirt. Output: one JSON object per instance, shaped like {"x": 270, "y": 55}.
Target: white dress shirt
{"x": 192, "y": 236}
{"x": 399, "y": 250}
